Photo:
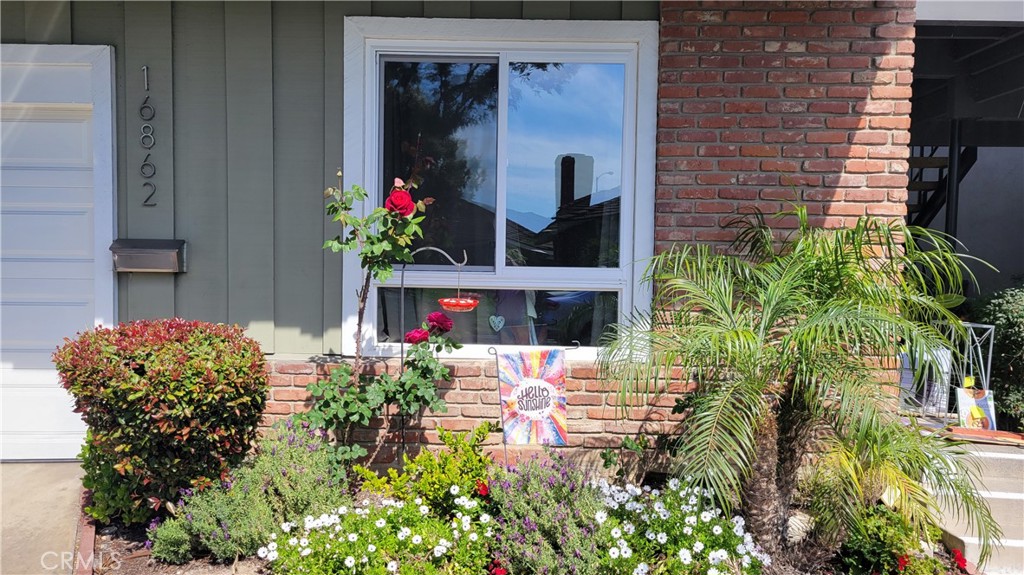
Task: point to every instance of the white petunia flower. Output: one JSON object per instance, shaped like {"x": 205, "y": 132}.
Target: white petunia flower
{"x": 416, "y": 540}
{"x": 662, "y": 537}
{"x": 352, "y": 537}
{"x": 698, "y": 547}
{"x": 616, "y": 533}
{"x": 286, "y": 527}
{"x": 716, "y": 530}
{"x": 261, "y": 552}
{"x": 303, "y": 542}
{"x": 614, "y": 552}
{"x": 293, "y": 541}
{"x": 601, "y": 517}
{"x": 380, "y": 523}
{"x": 485, "y": 518}
{"x": 392, "y": 566}
{"x": 627, "y": 553}
{"x": 305, "y": 551}
{"x": 350, "y": 562}
{"x": 371, "y": 548}
{"x": 473, "y": 536}
{"x": 454, "y": 490}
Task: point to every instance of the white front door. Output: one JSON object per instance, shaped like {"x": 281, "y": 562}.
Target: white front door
{"x": 56, "y": 223}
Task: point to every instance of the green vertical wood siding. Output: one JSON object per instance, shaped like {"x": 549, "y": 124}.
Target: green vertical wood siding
{"x": 299, "y": 175}
{"x": 249, "y": 130}
{"x": 200, "y": 152}
{"x": 148, "y": 42}
{"x": 48, "y": 22}
{"x": 250, "y": 151}
{"x": 12, "y": 22}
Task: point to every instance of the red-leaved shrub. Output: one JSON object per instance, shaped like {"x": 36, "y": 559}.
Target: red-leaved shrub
{"x": 170, "y": 404}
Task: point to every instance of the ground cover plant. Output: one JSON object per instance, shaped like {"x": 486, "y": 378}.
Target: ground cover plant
{"x": 170, "y": 404}
{"x": 785, "y": 344}
{"x": 674, "y": 530}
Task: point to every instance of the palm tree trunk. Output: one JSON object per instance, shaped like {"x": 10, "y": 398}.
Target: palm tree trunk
{"x": 762, "y": 502}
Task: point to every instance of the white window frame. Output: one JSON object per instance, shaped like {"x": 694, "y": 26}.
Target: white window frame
{"x": 632, "y": 43}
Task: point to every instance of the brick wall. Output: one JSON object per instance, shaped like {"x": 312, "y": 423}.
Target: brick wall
{"x": 766, "y": 102}
{"x": 759, "y": 103}
{"x": 473, "y": 399}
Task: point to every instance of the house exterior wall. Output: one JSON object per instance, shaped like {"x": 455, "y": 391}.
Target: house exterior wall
{"x": 760, "y": 103}
{"x": 248, "y": 130}
{"x": 764, "y": 103}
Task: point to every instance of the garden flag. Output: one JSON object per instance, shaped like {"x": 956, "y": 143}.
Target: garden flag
{"x": 532, "y": 389}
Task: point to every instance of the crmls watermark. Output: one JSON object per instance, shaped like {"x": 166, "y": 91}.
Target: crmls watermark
{"x": 67, "y": 561}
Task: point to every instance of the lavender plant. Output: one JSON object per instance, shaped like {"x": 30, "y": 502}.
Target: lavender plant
{"x": 291, "y": 474}
{"x": 547, "y": 519}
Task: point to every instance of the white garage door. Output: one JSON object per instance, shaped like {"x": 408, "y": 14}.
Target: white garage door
{"x": 56, "y": 223}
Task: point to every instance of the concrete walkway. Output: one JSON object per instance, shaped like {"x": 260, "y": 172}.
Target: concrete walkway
{"x": 39, "y": 510}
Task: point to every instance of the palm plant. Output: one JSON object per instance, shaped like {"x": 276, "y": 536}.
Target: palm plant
{"x": 787, "y": 346}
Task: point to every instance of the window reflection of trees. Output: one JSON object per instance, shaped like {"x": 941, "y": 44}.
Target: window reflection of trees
{"x": 427, "y": 108}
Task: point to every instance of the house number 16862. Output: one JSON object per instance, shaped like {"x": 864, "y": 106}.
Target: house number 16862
{"x": 147, "y": 139}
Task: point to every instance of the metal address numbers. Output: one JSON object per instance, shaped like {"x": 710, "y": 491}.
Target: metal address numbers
{"x": 147, "y": 140}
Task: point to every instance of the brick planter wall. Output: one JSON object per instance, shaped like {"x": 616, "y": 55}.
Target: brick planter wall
{"x": 473, "y": 399}
{"x": 759, "y": 103}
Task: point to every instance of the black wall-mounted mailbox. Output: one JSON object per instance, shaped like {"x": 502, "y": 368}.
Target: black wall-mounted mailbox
{"x": 153, "y": 256}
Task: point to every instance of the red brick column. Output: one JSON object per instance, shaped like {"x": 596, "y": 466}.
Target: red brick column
{"x": 761, "y": 103}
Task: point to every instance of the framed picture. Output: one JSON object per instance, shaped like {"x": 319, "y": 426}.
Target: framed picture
{"x": 976, "y": 407}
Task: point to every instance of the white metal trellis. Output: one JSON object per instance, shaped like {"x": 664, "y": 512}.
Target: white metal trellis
{"x": 929, "y": 394}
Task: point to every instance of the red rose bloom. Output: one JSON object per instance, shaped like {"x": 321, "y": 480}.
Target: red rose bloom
{"x": 418, "y": 335}
{"x": 438, "y": 322}
{"x": 400, "y": 202}
{"x": 901, "y": 562}
{"x": 482, "y": 490}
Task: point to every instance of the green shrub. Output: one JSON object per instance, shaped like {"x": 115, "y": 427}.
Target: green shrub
{"x": 1005, "y": 310}
{"x": 460, "y": 468}
{"x": 291, "y": 475}
{"x": 170, "y": 404}
{"x": 885, "y": 543}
